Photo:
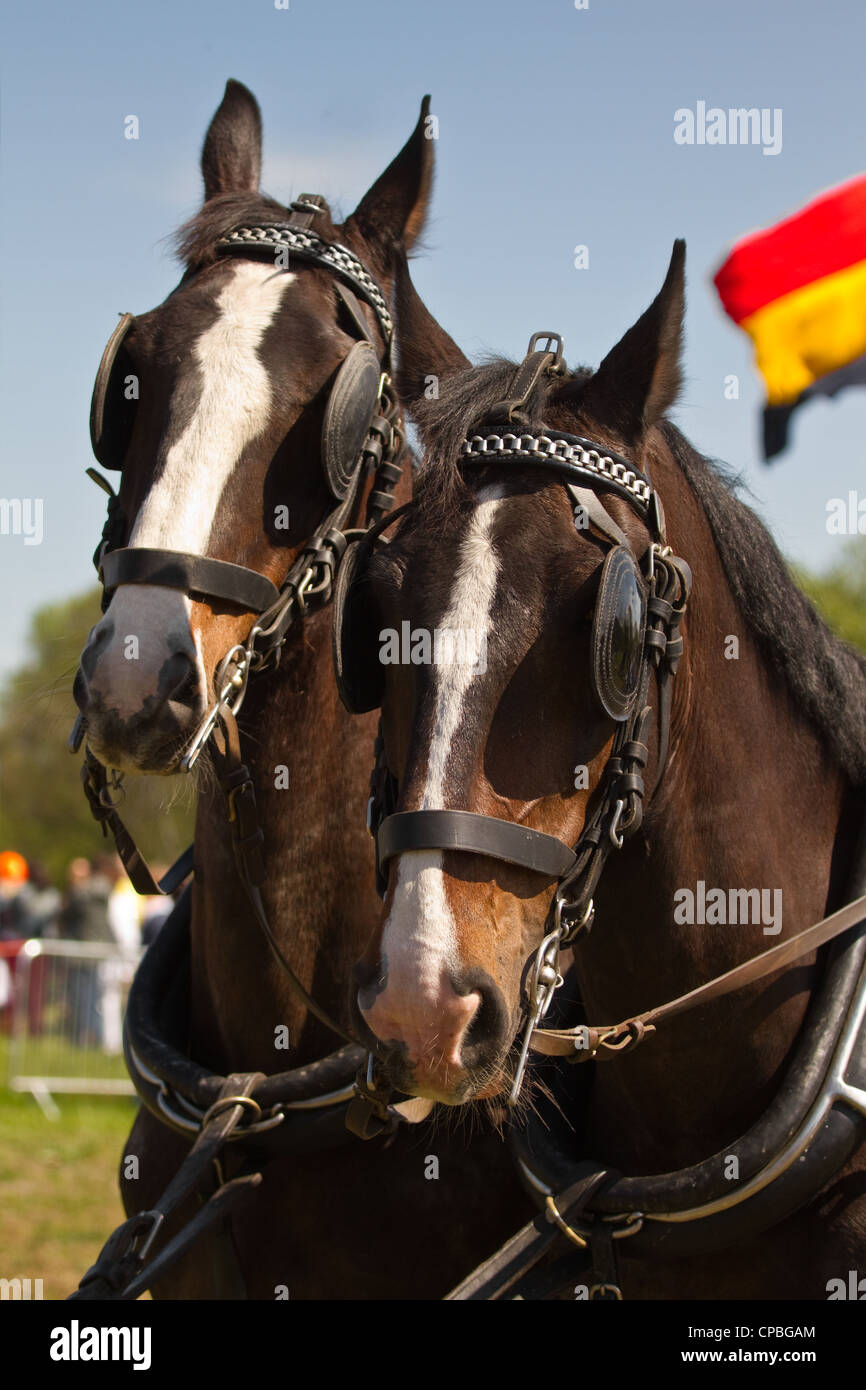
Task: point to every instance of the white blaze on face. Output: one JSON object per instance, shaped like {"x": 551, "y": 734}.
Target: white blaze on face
{"x": 232, "y": 410}
{"x": 178, "y": 512}
{"x": 420, "y": 935}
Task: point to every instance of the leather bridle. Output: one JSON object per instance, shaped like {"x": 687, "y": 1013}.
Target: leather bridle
{"x": 585, "y": 468}
{"x": 306, "y": 589}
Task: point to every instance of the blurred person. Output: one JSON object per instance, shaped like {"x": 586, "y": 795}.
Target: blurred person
{"x": 84, "y": 911}
{"x": 84, "y": 917}
{"x": 40, "y": 909}
{"x": 40, "y": 902}
{"x": 14, "y": 874}
{"x": 155, "y": 910}
{"x": 13, "y": 879}
{"x": 124, "y": 917}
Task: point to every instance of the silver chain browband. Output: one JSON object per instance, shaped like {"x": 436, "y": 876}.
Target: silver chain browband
{"x": 308, "y": 246}
{"x": 599, "y": 467}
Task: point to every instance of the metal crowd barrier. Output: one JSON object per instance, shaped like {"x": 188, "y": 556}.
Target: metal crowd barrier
{"x": 68, "y": 1000}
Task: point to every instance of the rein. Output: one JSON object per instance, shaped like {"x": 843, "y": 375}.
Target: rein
{"x": 582, "y": 1043}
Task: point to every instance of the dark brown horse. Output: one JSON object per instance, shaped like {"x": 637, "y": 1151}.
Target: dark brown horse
{"x": 761, "y": 789}
{"x": 224, "y": 460}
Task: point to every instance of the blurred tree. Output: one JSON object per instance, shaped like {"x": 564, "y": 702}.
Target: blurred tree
{"x": 840, "y": 593}
{"x": 43, "y": 812}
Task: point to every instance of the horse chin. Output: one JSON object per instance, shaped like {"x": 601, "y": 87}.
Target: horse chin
{"x": 150, "y": 753}
{"x": 446, "y": 1086}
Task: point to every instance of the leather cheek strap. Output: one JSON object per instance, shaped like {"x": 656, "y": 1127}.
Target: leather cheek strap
{"x": 475, "y": 834}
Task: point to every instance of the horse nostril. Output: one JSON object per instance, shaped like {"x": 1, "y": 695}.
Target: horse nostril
{"x": 79, "y": 690}
{"x": 179, "y": 680}
{"x": 371, "y": 977}
{"x": 487, "y": 1033}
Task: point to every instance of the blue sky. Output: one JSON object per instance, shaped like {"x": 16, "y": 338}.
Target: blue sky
{"x": 555, "y": 130}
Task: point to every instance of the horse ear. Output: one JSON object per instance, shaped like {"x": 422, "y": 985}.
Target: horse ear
{"x": 426, "y": 353}
{"x": 393, "y": 211}
{"x": 640, "y": 378}
{"x": 231, "y": 158}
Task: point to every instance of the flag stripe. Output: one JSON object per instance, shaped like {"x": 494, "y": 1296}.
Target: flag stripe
{"x": 826, "y": 236}
{"x": 803, "y": 335}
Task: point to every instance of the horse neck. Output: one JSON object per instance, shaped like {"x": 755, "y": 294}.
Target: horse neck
{"x": 750, "y": 799}
{"x": 311, "y": 764}
{"x": 318, "y": 891}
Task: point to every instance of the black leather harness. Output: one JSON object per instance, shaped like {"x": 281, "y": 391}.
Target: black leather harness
{"x": 813, "y": 1126}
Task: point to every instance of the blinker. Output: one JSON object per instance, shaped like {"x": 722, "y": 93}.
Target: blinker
{"x": 618, "y": 627}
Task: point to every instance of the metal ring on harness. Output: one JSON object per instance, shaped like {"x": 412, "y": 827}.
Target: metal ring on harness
{"x": 226, "y": 1103}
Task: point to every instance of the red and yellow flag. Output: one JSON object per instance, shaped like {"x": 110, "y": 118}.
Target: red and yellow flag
{"x": 799, "y": 290}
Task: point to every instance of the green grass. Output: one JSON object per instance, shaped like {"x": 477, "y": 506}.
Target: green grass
{"x": 59, "y": 1197}
{"x": 54, "y": 1056}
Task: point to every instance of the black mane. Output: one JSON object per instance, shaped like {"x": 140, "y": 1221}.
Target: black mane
{"x": 826, "y": 676}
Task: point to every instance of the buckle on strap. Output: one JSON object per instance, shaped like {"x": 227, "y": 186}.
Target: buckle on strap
{"x": 605, "y": 1293}
{"x": 244, "y": 788}
{"x": 121, "y": 1257}
{"x": 552, "y": 344}
{"x": 536, "y": 363}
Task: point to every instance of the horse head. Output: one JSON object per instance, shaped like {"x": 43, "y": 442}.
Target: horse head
{"x": 502, "y": 631}
{"x": 236, "y": 412}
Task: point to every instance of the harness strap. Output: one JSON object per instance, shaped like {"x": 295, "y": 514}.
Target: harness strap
{"x": 121, "y": 1271}
{"x": 498, "y": 1276}
{"x": 535, "y": 365}
{"x": 98, "y": 790}
{"x": 303, "y": 211}
{"x": 217, "y": 1209}
{"x": 354, "y": 310}
{"x": 597, "y": 514}
{"x": 582, "y": 1043}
